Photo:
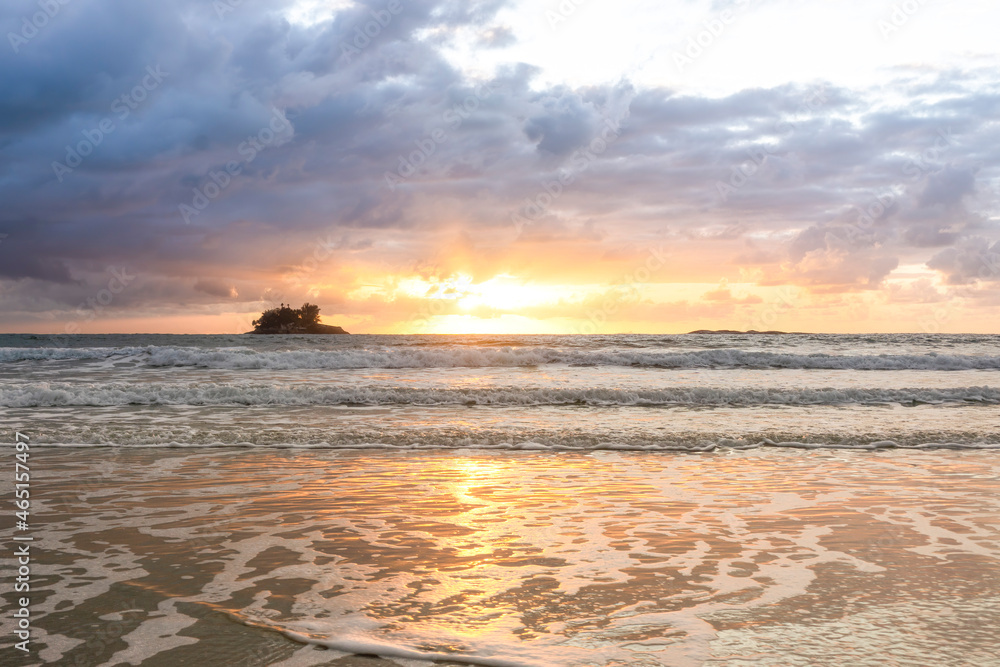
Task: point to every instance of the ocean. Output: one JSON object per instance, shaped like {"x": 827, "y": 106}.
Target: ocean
{"x": 592, "y": 501}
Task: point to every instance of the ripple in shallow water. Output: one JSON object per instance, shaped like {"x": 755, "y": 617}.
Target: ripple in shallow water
{"x": 770, "y": 557}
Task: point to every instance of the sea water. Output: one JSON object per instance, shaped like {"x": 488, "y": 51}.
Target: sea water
{"x": 675, "y": 393}
{"x": 511, "y": 500}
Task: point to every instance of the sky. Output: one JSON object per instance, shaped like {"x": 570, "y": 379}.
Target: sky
{"x": 553, "y": 166}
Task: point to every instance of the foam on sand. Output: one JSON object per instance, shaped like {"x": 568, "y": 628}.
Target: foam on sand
{"x": 529, "y": 559}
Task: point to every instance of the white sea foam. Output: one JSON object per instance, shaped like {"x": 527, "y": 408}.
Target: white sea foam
{"x": 15, "y": 354}
{"x": 699, "y": 445}
{"x": 580, "y": 393}
{"x": 506, "y": 357}
{"x": 484, "y": 357}
{"x": 526, "y": 560}
{"x": 47, "y": 394}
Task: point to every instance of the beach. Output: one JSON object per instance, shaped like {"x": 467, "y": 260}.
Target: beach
{"x": 765, "y": 557}
{"x": 585, "y": 501}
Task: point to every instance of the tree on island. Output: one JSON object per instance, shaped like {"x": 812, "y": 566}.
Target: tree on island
{"x": 285, "y": 319}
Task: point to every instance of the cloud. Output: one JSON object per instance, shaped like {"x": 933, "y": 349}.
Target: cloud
{"x": 18, "y": 266}
{"x": 920, "y": 291}
{"x": 972, "y": 260}
{"x": 948, "y": 187}
{"x": 217, "y": 288}
{"x": 805, "y": 163}
{"x": 497, "y": 37}
{"x": 725, "y": 295}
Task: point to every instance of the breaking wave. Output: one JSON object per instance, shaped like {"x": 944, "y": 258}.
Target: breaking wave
{"x": 109, "y": 394}
{"x": 239, "y": 358}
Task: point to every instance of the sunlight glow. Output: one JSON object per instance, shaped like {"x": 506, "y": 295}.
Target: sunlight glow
{"x": 501, "y": 292}
{"x": 311, "y": 12}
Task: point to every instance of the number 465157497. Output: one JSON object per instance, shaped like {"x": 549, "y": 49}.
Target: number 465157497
{"x": 22, "y": 492}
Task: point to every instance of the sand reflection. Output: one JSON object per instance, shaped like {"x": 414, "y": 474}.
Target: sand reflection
{"x": 531, "y": 558}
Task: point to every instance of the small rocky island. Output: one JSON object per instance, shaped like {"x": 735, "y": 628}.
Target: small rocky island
{"x": 288, "y": 320}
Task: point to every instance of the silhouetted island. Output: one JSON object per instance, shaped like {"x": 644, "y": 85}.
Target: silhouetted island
{"x": 288, "y": 320}
{"x": 730, "y": 331}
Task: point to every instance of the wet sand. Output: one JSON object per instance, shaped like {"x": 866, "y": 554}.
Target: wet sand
{"x": 299, "y": 558}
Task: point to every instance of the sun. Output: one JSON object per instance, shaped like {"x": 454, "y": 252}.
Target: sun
{"x": 458, "y": 304}
{"x": 504, "y": 292}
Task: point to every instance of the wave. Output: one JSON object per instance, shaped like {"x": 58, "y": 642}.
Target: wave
{"x": 243, "y": 358}
{"x": 122, "y": 441}
{"x": 110, "y": 394}
{"x": 15, "y": 354}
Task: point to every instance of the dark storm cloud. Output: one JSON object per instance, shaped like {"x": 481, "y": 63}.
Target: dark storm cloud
{"x": 27, "y": 266}
{"x": 799, "y": 165}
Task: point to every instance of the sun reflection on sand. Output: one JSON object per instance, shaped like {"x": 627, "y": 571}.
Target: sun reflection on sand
{"x": 542, "y": 558}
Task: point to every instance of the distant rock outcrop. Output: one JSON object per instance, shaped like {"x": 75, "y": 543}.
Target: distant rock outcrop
{"x": 288, "y": 320}
{"x": 730, "y": 331}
